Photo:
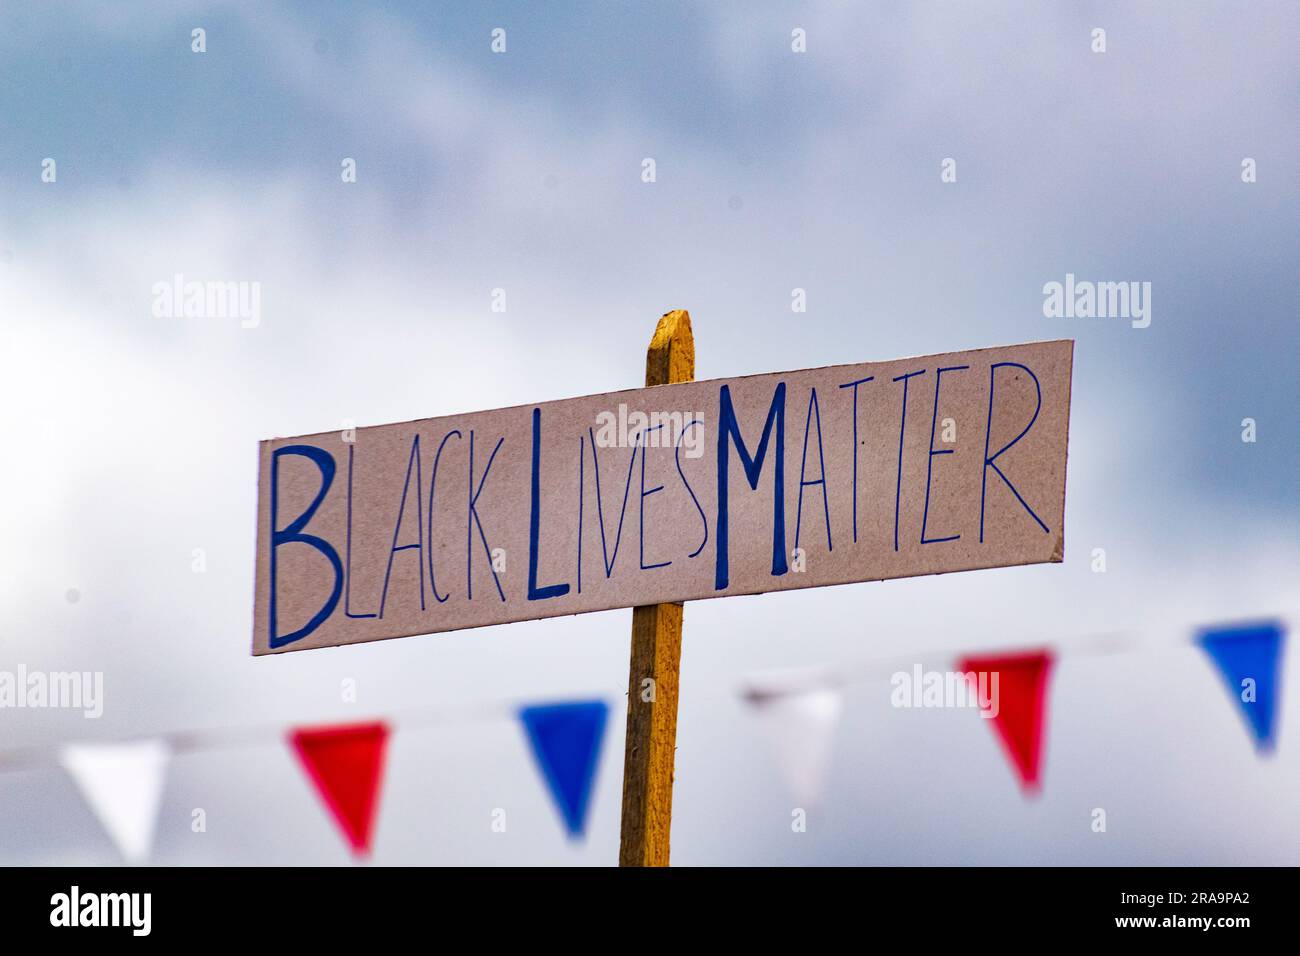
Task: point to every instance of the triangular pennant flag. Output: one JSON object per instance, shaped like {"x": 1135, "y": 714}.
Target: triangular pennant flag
{"x": 565, "y": 739}
{"x": 799, "y": 722}
{"x": 1020, "y": 703}
{"x": 122, "y": 784}
{"x": 345, "y": 763}
{"x": 1247, "y": 657}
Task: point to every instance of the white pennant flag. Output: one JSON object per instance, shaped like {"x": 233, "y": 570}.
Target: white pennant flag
{"x": 122, "y": 784}
{"x": 799, "y": 712}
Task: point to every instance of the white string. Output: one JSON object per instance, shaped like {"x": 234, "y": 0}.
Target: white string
{"x": 755, "y": 687}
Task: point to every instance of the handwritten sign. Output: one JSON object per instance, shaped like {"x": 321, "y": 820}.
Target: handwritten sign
{"x": 676, "y": 493}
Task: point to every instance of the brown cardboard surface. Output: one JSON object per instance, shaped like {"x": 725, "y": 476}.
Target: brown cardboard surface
{"x": 404, "y": 523}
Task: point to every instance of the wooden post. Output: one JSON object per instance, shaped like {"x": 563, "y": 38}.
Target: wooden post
{"x": 656, "y": 656}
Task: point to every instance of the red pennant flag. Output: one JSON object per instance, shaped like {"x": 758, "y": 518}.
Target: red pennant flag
{"x": 1021, "y": 706}
{"x": 345, "y": 762}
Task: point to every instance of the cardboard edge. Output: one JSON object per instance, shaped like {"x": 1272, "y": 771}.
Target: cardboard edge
{"x": 1058, "y": 555}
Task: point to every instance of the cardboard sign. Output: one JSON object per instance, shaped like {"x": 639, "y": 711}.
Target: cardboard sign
{"x": 675, "y": 493}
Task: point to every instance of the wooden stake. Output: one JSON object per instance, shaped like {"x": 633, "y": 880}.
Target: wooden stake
{"x": 656, "y": 657}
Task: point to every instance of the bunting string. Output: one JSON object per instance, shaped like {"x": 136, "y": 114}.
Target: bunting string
{"x": 757, "y": 684}
{"x": 798, "y": 709}
{"x": 256, "y": 735}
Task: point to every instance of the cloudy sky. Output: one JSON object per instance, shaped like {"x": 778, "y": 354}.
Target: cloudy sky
{"x": 133, "y": 438}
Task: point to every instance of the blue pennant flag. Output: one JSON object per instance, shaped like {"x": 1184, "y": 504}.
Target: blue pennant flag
{"x": 566, "y": 742}
{"x": 1247, "y": 656}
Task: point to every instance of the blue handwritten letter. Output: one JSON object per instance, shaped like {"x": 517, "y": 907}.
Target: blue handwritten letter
{"x": 990, "y": 461}
{"x": 729, "y": 431}
{"x": 535, "y": 520}
{"x": 294, "y": 533}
